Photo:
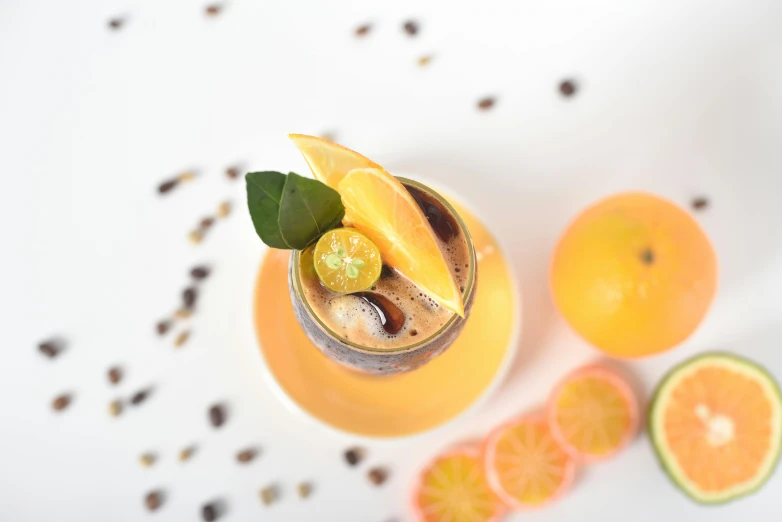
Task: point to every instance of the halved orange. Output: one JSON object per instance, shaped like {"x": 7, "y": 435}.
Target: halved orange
{"x": 716, "y": 426}
{"x": 378, "y": 205}
{"x": 593, "y": 413}
{"x": 453, "y": 488}
{"x": 525, "y": 466}
{"x": 328, "y": 161}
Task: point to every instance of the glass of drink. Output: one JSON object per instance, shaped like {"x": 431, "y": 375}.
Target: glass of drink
{"x": 394, "y": 327}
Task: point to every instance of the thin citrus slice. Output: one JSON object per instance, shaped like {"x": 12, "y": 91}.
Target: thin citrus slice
{"x": 716, "y": 426}
{"x": 593, "y": 413}
{"x": 328, "y": 161}
{"x": 525, "y": 465}
{"x": 453, "y": 488}
{"x": 347, "y": 261}
{"x": 379, "y": 205}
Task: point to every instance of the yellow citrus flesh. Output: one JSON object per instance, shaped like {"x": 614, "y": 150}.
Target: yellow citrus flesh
{"x": 525, "y": 465}
{"x": 593, "y": 413}
{"x": 377, "y": 204}
{"x": 454, "y": 488}
{"x": 347, "y": 261}
{"x": 328, "y": 161}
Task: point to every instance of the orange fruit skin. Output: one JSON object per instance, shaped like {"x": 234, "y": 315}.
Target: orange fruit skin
{"x": 472, "y": 452}
{"x": 633, "y": 275}
{"x": 619, "y": 384}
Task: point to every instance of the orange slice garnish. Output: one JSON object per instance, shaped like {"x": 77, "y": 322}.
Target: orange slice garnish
{"x": 593, "y": 413}
{"x": 525, "y": 465}
{"x": 328, "y": 161}
{"x": 453, "y": 488}
{"x": 378, "y": 205}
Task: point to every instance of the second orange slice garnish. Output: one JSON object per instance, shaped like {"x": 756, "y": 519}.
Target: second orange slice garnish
{"x": 378, "y": 205}
{"x": 328, "y": 161}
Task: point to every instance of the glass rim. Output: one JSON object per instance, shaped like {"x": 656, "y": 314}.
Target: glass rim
{"x": 468, "y": 287}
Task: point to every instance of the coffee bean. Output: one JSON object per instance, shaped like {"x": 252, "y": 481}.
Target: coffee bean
{"x": 50, "y": 349}
{"x": 232, "y": 172}
{"x": 147, "y": 459}
{"x": 115, "y": 408}
{"x": 195, "y": 236}
{"x": 115, "y": 374}
{"x": 304, "y": 489}
{"x": 424, "y": 61}
{"x": 224, "y": 209}
{"x": 269, "y": 494}
{"x": 699, "y": 203}
{"x": 377, "y": 476}
{"x": 154, "y": 500}
{"x": 567, "y": 88}
{"x": 211, "y": 512}
{"x": 162, "y": 327}
{"x": 189, "y": 297}
{"x": 246, "y": 455}
{"x": 186, "y": 176}
{"x": 116, "y": 23}
{"x": 354, "y": 455}
{"x": 183, "y": 313}
{"x": 206, "y": 222}
{"x": 200, "y": 272}
{"x": 182, "y": 338}
{"x": 363, "y": 30}
{"x": 140, "y": 397}
{"x": 487, "y": 103}
{"x": 217, "y": 415}
{"x": 167, "y": 186}
{"x": 61, "y": 402}
{"x": 186, "y": 453}
{"x": 213, "y": 9}
{"x": 411, "y": 27}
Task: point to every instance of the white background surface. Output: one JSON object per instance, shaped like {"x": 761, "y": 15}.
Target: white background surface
{"x": 682, "y": 98}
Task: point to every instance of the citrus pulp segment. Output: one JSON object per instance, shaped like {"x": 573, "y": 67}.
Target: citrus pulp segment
{"x": 328, "y": 161}
{"x": 347, "y": 261}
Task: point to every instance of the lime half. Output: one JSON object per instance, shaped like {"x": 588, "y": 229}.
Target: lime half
{"x": 347, "y": 261}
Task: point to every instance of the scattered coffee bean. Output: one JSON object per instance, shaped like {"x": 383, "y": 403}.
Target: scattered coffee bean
{"x": 116, "y": 23}
{"x": 147, "y": 459}
{"x": 186, "y": 453}
{"x": 246, "y": 455}
{"x": 354, "y": 455}
{"x": 200, "y": 272}
{"x": 487, "y": 103}
{"x": 206, "y": 222}
{"x": 167, "y": 186}
{"x": 567, "y": 88}
{"x": 217, "y": 415}
{"x": 140, "y": 397}
{"x": 61, "y": 402}
{"x": 115, "y": 374}
{"x": 211, "y": 512}
{"x": 699, "y": 203}
{"x": 411, "y": 27}
{"x": 304, "y": 489}
{"x": 51, "y": 348}
{"x": 186, "y": 176}
{"x": 162, "y": 327}
{"x": 189, "y": 297}
{"x": 195, "y": 236}
{"x": 424, "y": 61}
{"x": 182, "y": 338}
{"x": 363, "y": 30}
{"x": 377, "y": 476}
{"x": 232, "y": 172}
{"x": 224, "y": 209}
{"x": 213, "y": 9}
{"x": 183, "y": 313}
{"x": 269, "y": 494}
{"x": 154, "y": 500}
{"x": 115, "y": 408}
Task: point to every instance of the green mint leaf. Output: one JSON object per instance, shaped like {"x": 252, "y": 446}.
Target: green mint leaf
{"x": 308, "y": 208}
{"x": 264, "y": 192}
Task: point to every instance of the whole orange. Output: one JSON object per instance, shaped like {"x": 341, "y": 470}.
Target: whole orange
{"x": 634, "y": 275}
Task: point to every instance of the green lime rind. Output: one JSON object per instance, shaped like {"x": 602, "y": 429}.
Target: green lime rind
{"x": 668, "y": 461}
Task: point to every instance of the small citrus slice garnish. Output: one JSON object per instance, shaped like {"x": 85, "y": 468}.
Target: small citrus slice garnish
{"x": 347, "y": 261}
{"x": 328, "y": 161}
{"x": 593, "y": 413}
{"x": 716, "y": 426}
{"x": 379, "y": 205}
{"x": 525, "y": 465}
{"x": 453, "y": 488}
